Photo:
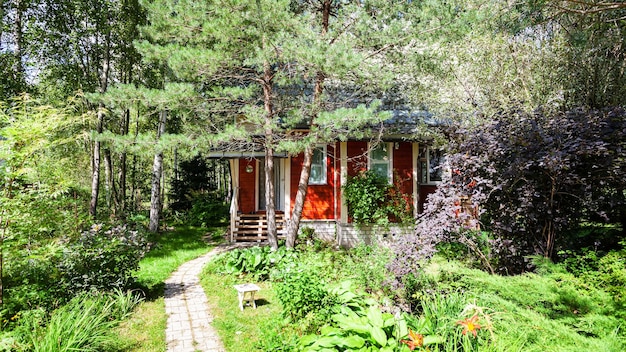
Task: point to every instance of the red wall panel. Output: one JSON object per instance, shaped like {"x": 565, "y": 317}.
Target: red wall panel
{"x": 320, "y": 202}
{"x": 247, "y": 182}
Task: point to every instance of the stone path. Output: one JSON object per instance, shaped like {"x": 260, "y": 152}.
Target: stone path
{"x": 189, "y": 321}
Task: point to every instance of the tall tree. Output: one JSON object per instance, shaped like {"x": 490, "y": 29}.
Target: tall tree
{"x": 355, "y": 52}
{"x": 256, "y": 63}
{"x": 230, "y": 57}
{"x": 87, "y": 45}
{"x": 157, "y": 172}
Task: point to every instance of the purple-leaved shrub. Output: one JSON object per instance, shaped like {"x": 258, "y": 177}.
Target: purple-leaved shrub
{"x": 526, "y": 178}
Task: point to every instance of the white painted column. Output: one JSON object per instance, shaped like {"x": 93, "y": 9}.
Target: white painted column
{"x": 287, "y": 185}
{"x": 344, "y": 178}
{"x": 234, "y": 202}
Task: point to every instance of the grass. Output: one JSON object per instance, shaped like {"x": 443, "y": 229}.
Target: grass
{"x": 85, "y": 323}
{"x": 144, "y": 331}
{"x": 538, "y": 312}
{"x": 240, "y": 331}
{"x": 171, "y": 250}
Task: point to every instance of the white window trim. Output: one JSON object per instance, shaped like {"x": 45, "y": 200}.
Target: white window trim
{"x": 324, "y": 180}
{"x": 428, "y": 180}
{"x": 389, "y": 159}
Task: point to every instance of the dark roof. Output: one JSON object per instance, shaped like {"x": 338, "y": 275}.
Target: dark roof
{"x": 406, "y": 122}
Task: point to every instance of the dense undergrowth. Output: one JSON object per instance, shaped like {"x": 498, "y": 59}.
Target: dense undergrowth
{"x": 80, "y": 297}
{"x": 318, "y": 298}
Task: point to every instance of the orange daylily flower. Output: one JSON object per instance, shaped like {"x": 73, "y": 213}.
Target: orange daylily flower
{"x": 470, "y": 325}
{"x": 415, "y": 340}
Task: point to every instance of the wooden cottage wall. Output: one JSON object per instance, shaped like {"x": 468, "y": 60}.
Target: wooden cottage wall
{"x": 403, "y": 166}
{"x": 247, "y": 181}
{"x": 357, "y": 157}
{"x": 320, "y": 199}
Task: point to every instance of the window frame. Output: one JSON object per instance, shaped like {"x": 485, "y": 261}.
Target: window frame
{"x": 324, "y": 166}
{"x": 389, "y": 162}
{"x": 425, "y": 165}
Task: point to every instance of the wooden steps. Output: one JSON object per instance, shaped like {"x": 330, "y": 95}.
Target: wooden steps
{"x": 253, "y": 227}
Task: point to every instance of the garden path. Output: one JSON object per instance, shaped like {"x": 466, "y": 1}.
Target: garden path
{"x": 189, "y": 320}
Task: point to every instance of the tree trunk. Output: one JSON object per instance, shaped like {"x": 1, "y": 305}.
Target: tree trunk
{"x": 18, "y": 6}
{"x": 133, "y": 169}
{"x": 95, "y": 175}
{"x": 112, "y": 196}
{"x": 303, "y": 186}
{"x": 303, "y": 183}
{"x": 157, "y": 171}
{"x": 104, "y": 81}
{"x": 268, "y": 76}
{"x": 125, "y": 121}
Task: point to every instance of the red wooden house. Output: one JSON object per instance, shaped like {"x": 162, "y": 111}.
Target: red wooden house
{"x": 414, "y": 164}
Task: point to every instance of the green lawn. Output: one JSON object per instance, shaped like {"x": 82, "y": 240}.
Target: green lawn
{"x": 240, "y": 330}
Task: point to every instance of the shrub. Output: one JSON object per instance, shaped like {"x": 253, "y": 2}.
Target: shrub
{"x": 372, "y": 200}
{"x": 368, "y": 266}
{"x": 604, "y": 271}
{"x": 83, "y": 324}
{"x": 102, "y": 259}
{"x": 535, "y": 176}
{"x": 302, "y": 292}
{"x": 361, "y": 328}
{"x": 256, "y": 261}
{"x": 31, "y": 282}
{"x": 207, "y": 209}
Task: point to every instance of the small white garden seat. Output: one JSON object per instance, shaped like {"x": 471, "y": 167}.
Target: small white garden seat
{"x": 242, "y": 289}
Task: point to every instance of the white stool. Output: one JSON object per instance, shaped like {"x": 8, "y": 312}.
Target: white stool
{"x": 241, "y": 293}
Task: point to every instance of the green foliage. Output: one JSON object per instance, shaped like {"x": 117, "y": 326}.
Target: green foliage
{"x": 469, "y": 246}
{"x": 256, "y": 261}
{"x": 196, "y": 182}
{"x": 372, "y": 200}
{"x": 274, "y": 336}
{"x": 606, "y": 271}
{"x": 364, "y": 329}
{"x": 102, "y": 259}
{"x": 302, "y": 292}
{"x": 84, "y": 323}
{"x": 368, "y": 266}
{"x": 571, "y": 314}
{"x": 365, "y": 195}
{"x": 207, "y": 209}
{"x": 31, "y": 283}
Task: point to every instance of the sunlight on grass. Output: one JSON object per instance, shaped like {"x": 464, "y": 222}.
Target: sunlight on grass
{"x": 145, "y": 330}
{"x": 536, "y": 312}
{"x": 239, "y": 331}
{"x": 171, "y": 250}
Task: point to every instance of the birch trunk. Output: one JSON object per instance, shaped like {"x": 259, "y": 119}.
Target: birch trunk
{"x": 157, "y": 171}
{"x": 95, "y": 176}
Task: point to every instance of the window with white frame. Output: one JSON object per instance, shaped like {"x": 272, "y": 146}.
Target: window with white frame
{"x": 380, "y": 160}
{"x": 318, "y": 166}
{"x": 431, "y": 165}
